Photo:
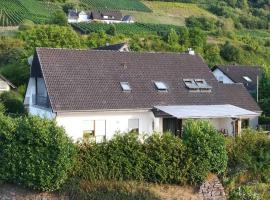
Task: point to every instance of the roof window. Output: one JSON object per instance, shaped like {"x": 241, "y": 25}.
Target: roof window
{"x": 161, "y": 86}
{"x": 202, "y": 84}
{"x": 125, "y": 86}
{"x": 247, "y": 78}
{"x": 190, "y": 84}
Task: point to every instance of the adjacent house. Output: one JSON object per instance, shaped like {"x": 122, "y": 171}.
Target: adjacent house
{"x": 98, "y": 16}
{"x": 5, "y": 85}
{"x": 96, "y": 93}
{"x": 249, "y": 76}
{"x": 122, "y": 47}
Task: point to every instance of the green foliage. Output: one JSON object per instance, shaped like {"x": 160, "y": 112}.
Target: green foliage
{"x": 26, "y": 25}
{"x": 10, "y": 49}
{"x": 212, "y": 54}
{"x": 13, "y": 12}
{"x": 13, "y": 103}
{"x": 50, "y": 36}
{"x": 59, "y": 18}
{"x": 197, "y": 38}
{"x": 112, "y": 30}
{"x": 2, "y": 108}
{"x": 201, "y": 22}
{"x": 250, "y": 154}
{"x": 264, "y": 92}
{"x": 159, "y": 159}
{"x": 34, "y": 152}
{"x": 205, "y": 150}
{"x": 165, "y": 158}
{"x": 173, "y": 37}
{"x": 116, "y": 5}
{"x": 230, "y": 52}
{"x": 17, "y": 73}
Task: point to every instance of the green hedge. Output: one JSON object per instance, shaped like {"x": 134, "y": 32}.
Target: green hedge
{"x": 159, "y": 158}
{"x": 34, "y": 152}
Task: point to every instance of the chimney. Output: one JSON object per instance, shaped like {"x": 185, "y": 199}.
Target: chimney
{"x": 191, "y": 51}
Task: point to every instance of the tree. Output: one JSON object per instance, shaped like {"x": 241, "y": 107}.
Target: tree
{"x": 112, "y": 30}
{"x": 183, "y": 36}
{"x": 230, "y": 52}
{"x": 59, "y": 18}
{"x": 264, "y": 91}
{"x": 172, "y": 37}
{"x": 197, "y": 38}
{"x": 13, "y": 103}
{"x": 212, "y": 54}
{"x": 50, "y": 36}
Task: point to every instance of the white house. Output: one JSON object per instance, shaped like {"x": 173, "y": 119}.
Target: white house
{"x": 249, "y": 76}
{"x": 5, "y": 85}
{"x": 97, "y": 93}
{"x": 108, "y": 17}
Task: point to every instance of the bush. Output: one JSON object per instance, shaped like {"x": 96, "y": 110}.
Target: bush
{"x": 165, "y": 158}
{"x": 124, "y": 157}
{"x": 250, "y": 154}
{"x": 34, "y": 152}
{"x": 206, "y": 150}
{"x": 13, "y": 103}
{"x": 121, "y": 158}
{"x": 230, "y": 52}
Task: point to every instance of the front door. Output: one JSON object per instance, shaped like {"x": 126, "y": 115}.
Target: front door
{"x": 172, "y": 125}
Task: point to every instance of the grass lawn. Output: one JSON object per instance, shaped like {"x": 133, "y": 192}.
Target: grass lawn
{"x": 168, "y": 13}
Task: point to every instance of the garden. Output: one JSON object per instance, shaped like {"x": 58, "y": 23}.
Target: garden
{"x": 36, "y": 153}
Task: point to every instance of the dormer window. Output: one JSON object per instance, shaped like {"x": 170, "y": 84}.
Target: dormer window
{"x": 161, "y": 86}
{"x": 247, "y": 78}
{"x": 125, "y": 86}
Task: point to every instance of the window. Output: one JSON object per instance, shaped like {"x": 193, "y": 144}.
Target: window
{"x": 125, "y": 86}
{"x": 161, "y": 86}
{"x": 133, "y": 125}
{"x": 245, "y": 123}
{"x": 94, "y": 130}
{"x": 220, "y": 79}
{"x": 202, "y": 84}
{"x": 88, "y": 130}
{"x": 190, "y": 84}
{"x": 247, "y": 78}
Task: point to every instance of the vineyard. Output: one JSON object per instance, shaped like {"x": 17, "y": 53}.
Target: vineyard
{"x": 13, "y": 12}
{"x": 136, "y": 28}
{"x": 135, "y": 5}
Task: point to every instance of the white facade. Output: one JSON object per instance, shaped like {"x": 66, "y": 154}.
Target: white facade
{"x": 221, "y": 77}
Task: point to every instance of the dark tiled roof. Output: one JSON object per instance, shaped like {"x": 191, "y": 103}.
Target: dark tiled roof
{"x": 114, "y": 47}
{"x": 237, "y": 72}
{"x": 80, "y": 80}
{"x": 112, "y": 15}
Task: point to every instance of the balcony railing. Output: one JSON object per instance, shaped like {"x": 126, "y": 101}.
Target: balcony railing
{"x": 42, "y": 101}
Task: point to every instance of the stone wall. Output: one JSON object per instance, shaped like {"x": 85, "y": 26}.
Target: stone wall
{"x": 212, "y": 189}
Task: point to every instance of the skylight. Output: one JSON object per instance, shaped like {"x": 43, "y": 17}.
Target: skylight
{"x": 247, "y": 78}
{"x": 202, "y": 84}
{"x": 161, "y": 86}
{"x": 190, "y": 84}
{"x": 125, "y": 86}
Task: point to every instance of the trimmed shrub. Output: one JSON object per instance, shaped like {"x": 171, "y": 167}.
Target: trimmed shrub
{"x": 206, "y": 150}
{"x": 35, "y": 153}
{"x": 165, "y": 158}
{"x": 121, "y": 158}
